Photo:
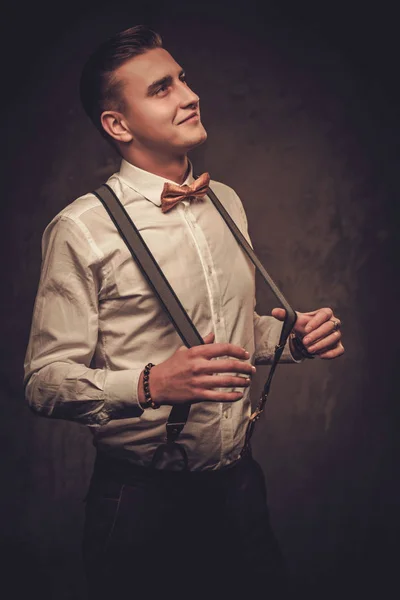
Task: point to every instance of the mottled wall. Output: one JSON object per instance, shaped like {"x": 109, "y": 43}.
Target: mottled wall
{"x": 301, "y": 107}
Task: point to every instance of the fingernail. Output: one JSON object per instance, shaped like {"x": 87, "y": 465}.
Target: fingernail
{"x": 247, "y": 354}
{"x": 308, "y": 328}
{"x": 305, "y": 340}
{"x": 253, "y": 369}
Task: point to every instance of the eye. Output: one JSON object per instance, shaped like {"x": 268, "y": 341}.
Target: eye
{"x": 183, "y": 79}
{"x": 163, "y": 88}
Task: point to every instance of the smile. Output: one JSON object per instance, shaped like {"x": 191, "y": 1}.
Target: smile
{"x": 193, "y": 118}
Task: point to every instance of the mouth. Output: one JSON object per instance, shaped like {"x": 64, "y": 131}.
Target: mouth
{"x": 194, "y": 116}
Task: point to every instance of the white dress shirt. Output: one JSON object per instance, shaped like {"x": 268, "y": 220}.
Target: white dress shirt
{"x": 96, "y": 322}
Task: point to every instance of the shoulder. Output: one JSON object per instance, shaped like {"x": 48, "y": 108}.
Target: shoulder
{"x": 82, "y": 207}
{"x": 230, "y": 200}
{"x": 79, "y": 224}
{"x": 222, "y": 189}
{"x": 85, "y": 213}
{"x": 88, "y": 205}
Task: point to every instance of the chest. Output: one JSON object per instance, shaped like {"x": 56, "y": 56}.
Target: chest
{"x": 195, "y": 250}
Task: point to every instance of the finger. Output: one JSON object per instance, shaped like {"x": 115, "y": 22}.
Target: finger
{"x": 226, "y": 366}
{"x": 321, "y": 316}
{"x": 221, "y": 381}
{"x": 323, "y": 331}
{"x": 311, "y": 313}
{"x": 333, "y": 353}
{"x": 324, "y": 344}
{"x": 212, "y": 396}
{"x": 209, "y": 338}
{"x": 221, "y": 349}
{"x": 279, "y": 313}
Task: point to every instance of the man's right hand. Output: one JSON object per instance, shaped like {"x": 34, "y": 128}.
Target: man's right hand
{"x": 191, "y": 374}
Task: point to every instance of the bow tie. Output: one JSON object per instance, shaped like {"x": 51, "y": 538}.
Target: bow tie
{"x": 174, "y": 193}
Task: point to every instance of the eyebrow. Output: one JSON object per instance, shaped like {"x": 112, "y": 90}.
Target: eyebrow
{"x": 167, "y": 80}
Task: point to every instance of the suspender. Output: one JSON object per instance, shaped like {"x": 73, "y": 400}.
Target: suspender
{"x": 177, "y": 314}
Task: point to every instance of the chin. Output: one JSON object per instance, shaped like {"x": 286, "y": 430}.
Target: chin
{"x": 198, "y": 140}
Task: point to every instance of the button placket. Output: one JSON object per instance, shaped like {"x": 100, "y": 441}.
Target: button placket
{"x": 209, "y": 271}
{"x": 210, "y": 275}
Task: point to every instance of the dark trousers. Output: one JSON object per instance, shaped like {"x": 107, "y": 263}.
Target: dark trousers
{"x": 180, "y": 534}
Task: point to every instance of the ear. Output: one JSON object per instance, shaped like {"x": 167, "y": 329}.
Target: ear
{"x": 114, "y": 124}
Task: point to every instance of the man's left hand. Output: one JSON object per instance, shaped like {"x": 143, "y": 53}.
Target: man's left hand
{"x": 319, "y": 331}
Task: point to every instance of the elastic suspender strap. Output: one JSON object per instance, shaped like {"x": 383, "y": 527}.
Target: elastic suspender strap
{"x": 291, "y": 316}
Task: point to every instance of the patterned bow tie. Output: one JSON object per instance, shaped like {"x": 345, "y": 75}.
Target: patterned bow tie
{"x": 174, "y": 193}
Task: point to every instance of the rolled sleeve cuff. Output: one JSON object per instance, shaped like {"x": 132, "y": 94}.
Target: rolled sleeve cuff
{"x": 266, "y": 351}
{"x": 121, "y": 394}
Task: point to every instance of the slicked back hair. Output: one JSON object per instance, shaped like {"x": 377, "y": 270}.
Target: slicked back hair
{"x": 100, "y": 90}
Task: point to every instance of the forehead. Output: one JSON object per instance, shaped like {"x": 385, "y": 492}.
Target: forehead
{"x": 143, "y": 70}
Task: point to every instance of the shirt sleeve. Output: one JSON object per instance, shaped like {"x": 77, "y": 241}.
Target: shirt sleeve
{"x": 58, "y": 377}
{"x": 267, "y": 329}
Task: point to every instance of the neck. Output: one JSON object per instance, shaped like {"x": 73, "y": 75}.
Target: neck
{"x": 173, "y": 168}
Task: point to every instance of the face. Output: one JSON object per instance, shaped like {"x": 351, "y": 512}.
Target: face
{"x": 160, "y": 110}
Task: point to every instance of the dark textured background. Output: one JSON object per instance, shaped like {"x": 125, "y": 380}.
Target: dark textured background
{"x": 301, "y": 103}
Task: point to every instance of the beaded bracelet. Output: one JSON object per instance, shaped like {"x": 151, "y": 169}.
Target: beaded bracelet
{"x": 300, "y": 347}
{"x": 149, "y": 402}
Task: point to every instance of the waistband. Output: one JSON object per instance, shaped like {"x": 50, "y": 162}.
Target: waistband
{"x": 126, "y": 472}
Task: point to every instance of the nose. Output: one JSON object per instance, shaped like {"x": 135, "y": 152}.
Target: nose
{"x": 188, "y": 96}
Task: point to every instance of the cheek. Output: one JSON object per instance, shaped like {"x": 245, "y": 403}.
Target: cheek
{"x": 153, "y": 121}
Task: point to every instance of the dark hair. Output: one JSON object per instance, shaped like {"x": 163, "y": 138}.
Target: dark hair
{"x": 99, "y": 89}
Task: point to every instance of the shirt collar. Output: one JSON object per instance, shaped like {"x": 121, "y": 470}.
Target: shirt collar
{"x": 147, "y": 184}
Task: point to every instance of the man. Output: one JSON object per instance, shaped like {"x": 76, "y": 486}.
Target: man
{"x": 96, "y": 324}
